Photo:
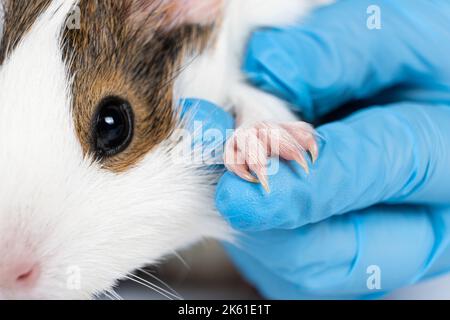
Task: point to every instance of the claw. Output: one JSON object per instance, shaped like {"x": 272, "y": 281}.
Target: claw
{"x": 264, "y": 182}
{"x": 304, "y": 135}
{"x": 249, "y": 177}
{"x": 313, "y": 151}
{"x": 302, "y": 162}
{"x": 242, "y": 171}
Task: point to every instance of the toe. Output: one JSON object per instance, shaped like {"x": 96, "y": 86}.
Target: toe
{"x": 304, "y": 134}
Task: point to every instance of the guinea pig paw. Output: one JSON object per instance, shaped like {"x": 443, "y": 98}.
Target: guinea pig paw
{"x": 247, "y": 151}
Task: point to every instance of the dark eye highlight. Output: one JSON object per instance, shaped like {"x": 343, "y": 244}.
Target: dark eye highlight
{"x": 112, "y": 128}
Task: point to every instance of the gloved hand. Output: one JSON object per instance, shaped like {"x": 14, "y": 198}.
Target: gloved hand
{"x": 378, "y": 198}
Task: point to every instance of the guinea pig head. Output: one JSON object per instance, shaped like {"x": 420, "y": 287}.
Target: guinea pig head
{"x": 90, "y": 188}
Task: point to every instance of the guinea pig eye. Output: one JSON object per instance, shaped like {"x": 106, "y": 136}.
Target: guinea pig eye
{"x": 113, "y": 127}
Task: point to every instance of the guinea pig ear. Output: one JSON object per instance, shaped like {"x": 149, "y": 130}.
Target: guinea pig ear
{"x": 175, "y": 13}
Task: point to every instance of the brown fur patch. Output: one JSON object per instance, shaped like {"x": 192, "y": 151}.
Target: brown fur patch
{"x": 19, "y": 17}
{"x": 113, "y": 56}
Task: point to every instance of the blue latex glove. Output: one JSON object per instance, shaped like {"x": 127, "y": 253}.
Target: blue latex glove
{"x": 209, "y": 126}
{"x": 379, "y": 194}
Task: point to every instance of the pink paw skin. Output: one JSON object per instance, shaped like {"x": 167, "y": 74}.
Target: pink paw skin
{"x": 247, "y": 151}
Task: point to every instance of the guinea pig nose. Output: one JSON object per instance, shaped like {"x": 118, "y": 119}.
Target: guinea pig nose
{"x": 20, "y": 275}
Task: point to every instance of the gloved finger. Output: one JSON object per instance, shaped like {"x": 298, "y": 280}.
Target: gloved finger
{"x": 208, "y": 127}
{"x": 396, "y": 154}
{"x": 336, "y": 56}
{"x": 360, "y": 255}
{"x": 206, "y": 114}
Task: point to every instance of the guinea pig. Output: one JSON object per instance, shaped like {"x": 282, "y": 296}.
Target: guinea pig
{"x": 89, "y": 190}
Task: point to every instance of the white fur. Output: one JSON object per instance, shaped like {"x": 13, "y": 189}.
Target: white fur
{"x": 71, "y": 216}
{"x": 58, "y": 209}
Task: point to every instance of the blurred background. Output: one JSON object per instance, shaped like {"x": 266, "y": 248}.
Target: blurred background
{"x": 205, "y": 273}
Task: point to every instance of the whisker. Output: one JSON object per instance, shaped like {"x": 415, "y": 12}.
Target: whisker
{"x": 115, "y": 295}
{"x": 176, "y": 296}
{"x": 179, "y": 257}
{"x": 160, "y": 281}
{"x": 108, "y": 295}
{"x": 149, "y": 285}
